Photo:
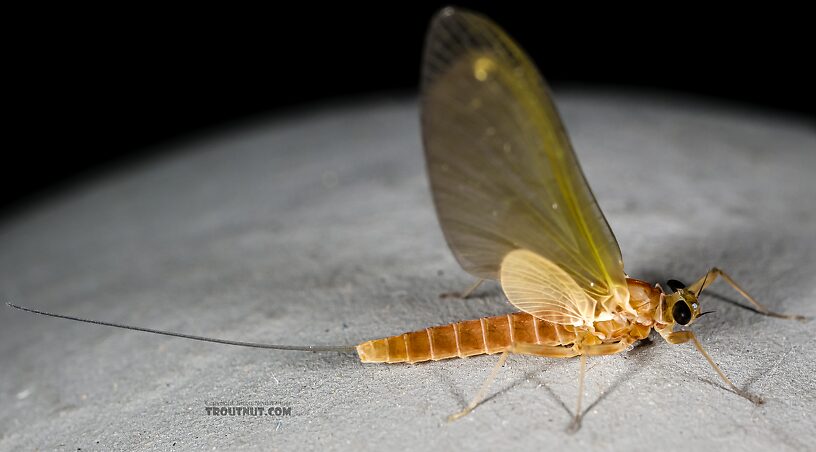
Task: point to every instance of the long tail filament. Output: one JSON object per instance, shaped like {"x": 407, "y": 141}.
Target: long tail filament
{"x": 303, "y": 348}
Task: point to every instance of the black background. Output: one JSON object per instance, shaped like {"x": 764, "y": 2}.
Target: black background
{"x": 93, "y": 88}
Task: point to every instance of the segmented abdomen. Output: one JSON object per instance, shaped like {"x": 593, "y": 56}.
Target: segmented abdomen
{"x": 471, "y": 337}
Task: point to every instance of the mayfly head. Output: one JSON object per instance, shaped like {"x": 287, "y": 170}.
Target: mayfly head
{"x": 682, "y": 303}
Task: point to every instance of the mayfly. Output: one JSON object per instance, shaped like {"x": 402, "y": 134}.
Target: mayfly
{"x": 515, "y": 207}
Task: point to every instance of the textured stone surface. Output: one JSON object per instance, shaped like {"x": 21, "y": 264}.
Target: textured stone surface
{"x": 318, "y": 228}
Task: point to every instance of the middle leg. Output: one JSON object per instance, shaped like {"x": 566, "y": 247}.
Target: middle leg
{"x": 567, "y": 352}
{"x": 592, "y": 350}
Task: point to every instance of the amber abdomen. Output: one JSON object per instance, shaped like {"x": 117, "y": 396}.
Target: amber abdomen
{"x": 471, "y": 337}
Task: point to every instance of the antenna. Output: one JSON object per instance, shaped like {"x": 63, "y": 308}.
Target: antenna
{"x": 702, "y": 286}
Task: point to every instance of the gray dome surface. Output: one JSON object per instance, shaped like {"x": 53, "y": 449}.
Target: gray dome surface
{"x": 318, "y": 228}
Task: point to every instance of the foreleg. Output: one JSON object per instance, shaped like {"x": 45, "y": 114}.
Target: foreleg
{"x": 715, "y": 272}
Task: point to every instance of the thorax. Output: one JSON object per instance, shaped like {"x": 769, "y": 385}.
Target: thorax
{"x": 646, "y": 300}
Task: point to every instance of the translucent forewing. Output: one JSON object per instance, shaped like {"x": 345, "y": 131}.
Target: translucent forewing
{"x": 502, "y": 170}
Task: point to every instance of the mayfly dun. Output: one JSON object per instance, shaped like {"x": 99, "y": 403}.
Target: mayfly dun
{"x": 514, "y": 207}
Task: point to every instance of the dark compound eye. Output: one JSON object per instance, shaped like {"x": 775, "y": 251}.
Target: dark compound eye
{"x": 681, "y": 313}
{"x": 674, "y": 285}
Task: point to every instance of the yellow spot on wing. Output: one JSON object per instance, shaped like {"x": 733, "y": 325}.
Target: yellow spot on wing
{"x": 482, "y": 68}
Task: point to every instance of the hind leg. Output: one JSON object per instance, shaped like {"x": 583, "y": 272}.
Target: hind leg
{"x": 521, "y": 349}
{"x": 463, "y": 295}
{"x": 482, "y": 390}
{"x": 548, "y": 351}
